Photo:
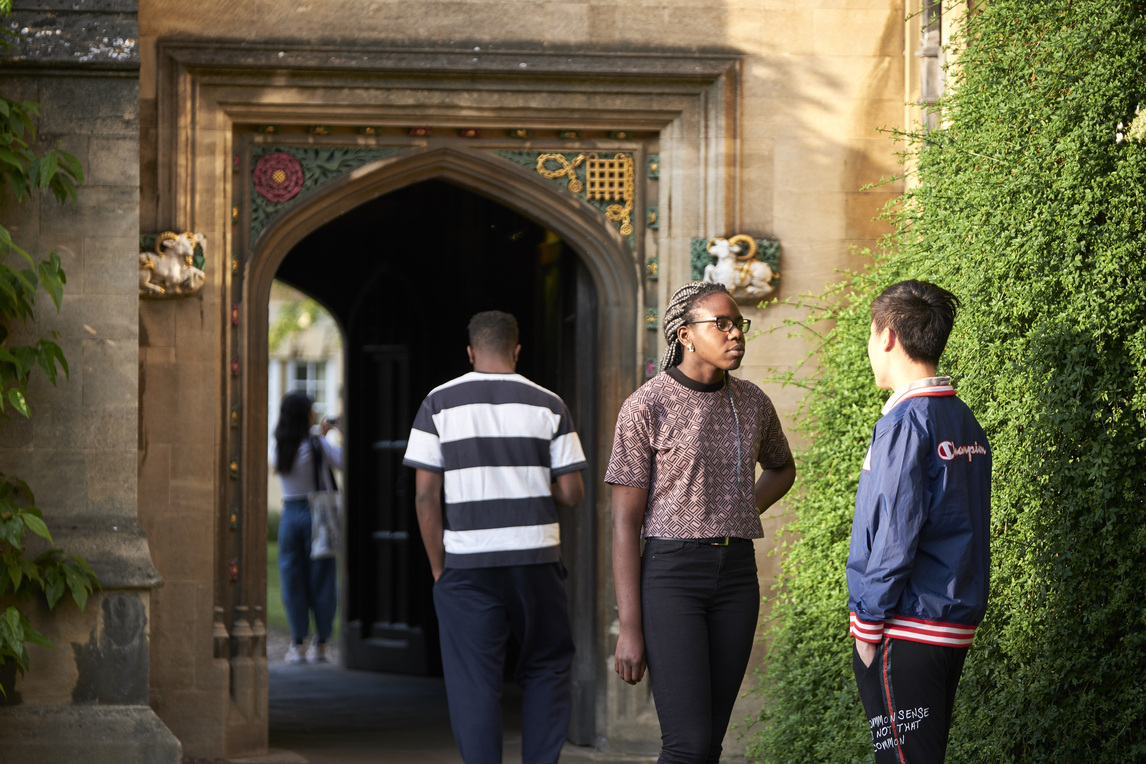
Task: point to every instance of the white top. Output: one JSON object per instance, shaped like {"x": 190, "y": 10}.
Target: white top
{"x": 297, "y": 483}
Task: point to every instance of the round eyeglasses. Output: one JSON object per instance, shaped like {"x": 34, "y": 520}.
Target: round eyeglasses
{"x": 725, "y": 324}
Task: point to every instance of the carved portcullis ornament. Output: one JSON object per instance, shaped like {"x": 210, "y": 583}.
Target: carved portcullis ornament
{"x": 612, "y": 180}
{"x": 174, "y": 265}
{"x": 606, "y": 180}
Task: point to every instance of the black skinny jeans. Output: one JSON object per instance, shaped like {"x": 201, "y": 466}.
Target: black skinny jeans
{"x": 699, "y": 607}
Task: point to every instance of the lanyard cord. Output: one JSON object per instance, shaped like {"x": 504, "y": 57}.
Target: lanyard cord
{"x": 736, "y": 420}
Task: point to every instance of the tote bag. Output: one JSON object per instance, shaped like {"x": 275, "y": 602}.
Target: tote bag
{"x": 325, "y": 507}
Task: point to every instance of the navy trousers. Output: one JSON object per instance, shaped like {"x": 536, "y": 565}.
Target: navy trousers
{"x": 478, "y": 608}
{"x": 908, "y": 693}
{"x": 699, "y": 607}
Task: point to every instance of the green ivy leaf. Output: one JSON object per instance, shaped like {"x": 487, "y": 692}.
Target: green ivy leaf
{"x": 79, "y": 585}
{"x": 15, "y": 572}
{"x": 52, "y": 278}
{"x": 53, "y": 586}
{"x": 16, "y": 398}
{"x": 48, "y": 164}
{"x": 36, "y": 638}
{"x": 11, "y": 630}
{"x": 36, "y": 525}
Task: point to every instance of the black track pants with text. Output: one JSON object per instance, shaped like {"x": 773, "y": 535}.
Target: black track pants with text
{"x": 908, "y": 693}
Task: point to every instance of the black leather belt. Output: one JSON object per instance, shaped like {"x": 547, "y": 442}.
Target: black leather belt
{"x": 714, "y": 541}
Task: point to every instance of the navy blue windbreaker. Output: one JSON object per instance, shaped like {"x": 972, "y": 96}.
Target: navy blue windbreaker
{"x": 919, "y": 561}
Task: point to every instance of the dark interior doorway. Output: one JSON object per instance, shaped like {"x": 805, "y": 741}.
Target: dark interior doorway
{"x": 403, "y": 274}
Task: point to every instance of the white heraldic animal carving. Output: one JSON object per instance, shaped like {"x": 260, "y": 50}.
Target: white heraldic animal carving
{"x": 169, "y": 270}
{"x": 737, "y": 268}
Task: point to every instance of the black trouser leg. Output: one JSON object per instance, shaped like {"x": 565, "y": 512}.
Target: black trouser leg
{"x": 699, "y": 607}
{"x": 908, "y": 694}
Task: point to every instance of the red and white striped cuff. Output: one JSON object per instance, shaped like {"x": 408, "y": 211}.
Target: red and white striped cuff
{"x": 866, "y": 632}
{"x": 914, "y": 630}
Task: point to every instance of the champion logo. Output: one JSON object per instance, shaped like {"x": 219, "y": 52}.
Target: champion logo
{"x": 947, "y": 450}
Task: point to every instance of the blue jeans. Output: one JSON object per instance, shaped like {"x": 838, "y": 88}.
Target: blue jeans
{"x": 307, "y": 585}
{"x": 699, "y": 606}
{"x": 477, "y": 610}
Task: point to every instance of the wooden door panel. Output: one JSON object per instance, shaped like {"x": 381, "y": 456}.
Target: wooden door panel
{"x": 390, "y": 602}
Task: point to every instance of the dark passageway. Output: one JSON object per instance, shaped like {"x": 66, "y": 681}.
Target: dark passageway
{"x": 402, "y": 274}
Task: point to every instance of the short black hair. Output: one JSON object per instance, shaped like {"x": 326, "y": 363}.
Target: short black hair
{"x": 920, "y": 313}
{"x": 493, "y": 331}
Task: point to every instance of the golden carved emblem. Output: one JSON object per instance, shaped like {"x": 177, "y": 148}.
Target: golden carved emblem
{"x": 567, "y": 169}
{"x": 605, "y": 180}
{"x": 612, "y": 179}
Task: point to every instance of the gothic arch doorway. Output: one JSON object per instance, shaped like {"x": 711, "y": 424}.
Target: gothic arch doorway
{"x": 402, "y": 272}
{"x": 208, "y": 647}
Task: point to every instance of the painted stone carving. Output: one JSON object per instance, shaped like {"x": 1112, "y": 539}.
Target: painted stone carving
{"x": 737, "y": 268}
{"x": 284, "y": 175}
{"x": 612, "y": 179}
{"x": 599, "y": 181}
{"x": 278, "y": 177}
{"x": 170, "y": 270}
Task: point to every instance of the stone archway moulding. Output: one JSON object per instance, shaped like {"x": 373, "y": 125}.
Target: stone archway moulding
{"x": 689, "y": 98}
{"x": 207, "y": 90}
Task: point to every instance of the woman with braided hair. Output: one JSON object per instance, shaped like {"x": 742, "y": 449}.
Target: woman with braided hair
{"x": 683, "y": 476}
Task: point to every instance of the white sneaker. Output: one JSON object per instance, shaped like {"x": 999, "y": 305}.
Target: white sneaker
{"x": 294, "y": 654}
{"x": 316, "y": 653}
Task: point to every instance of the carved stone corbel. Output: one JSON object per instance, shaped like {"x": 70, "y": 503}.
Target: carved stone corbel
{"x": 171, "y": 264}
{"x": 748, "y": 267}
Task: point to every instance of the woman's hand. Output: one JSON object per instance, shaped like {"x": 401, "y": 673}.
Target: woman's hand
{"x": 628, "y": 514}
{"x": 773, "y": 484}
{"x": 629, "y": 659}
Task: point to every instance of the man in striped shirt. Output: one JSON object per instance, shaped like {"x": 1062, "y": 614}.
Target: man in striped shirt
{"x": 505, "y": 451}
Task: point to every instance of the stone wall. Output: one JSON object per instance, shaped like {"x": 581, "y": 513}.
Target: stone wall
{"x": 88, "y": 698}
{"x": 139, "y": 425}
{"x": 814, "y": 81}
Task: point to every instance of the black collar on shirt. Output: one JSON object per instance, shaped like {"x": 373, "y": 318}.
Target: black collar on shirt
{"x": 692, "y": 384}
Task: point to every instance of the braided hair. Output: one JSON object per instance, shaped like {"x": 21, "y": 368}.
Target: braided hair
{"x": 677, "y": 313}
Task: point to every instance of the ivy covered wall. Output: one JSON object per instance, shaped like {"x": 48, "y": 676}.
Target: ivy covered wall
{"x": 1032, "y": 209}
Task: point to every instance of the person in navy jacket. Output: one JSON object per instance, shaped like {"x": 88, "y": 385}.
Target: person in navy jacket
{"x": 919, "y": 561}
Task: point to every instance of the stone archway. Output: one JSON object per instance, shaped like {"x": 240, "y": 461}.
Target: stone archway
{"x": 208, "y": 646}
{"x": 604, "y": 255}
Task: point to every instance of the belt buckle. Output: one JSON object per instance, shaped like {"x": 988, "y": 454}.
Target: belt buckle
{"x": 722, "y": 542}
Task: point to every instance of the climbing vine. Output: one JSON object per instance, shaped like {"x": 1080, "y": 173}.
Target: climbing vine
{"x": 1031, "y": 206}
{"x": 50, "y": 573}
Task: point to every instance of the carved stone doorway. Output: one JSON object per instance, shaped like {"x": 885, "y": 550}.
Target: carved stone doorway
{"x": 412, "y": 267}
{"x": 671, "y": 114}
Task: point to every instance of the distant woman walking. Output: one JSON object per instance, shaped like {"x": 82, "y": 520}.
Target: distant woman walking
{"x": 307, "y": 585}
{"x": 684, "y": 457}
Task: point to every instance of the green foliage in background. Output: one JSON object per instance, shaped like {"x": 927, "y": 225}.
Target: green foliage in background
{"x": 1035, "y": 216}
{"x": 294, "y": 316}
{"x": 50, "y": 573}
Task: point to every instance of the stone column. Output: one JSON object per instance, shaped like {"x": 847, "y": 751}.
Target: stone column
{"x": 88, "y": 699}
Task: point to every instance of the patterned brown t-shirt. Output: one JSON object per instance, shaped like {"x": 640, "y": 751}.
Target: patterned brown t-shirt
{"x": 677, "y": 438}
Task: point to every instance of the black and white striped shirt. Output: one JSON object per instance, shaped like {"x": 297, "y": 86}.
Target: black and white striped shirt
{"x": 498, "y": 440}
